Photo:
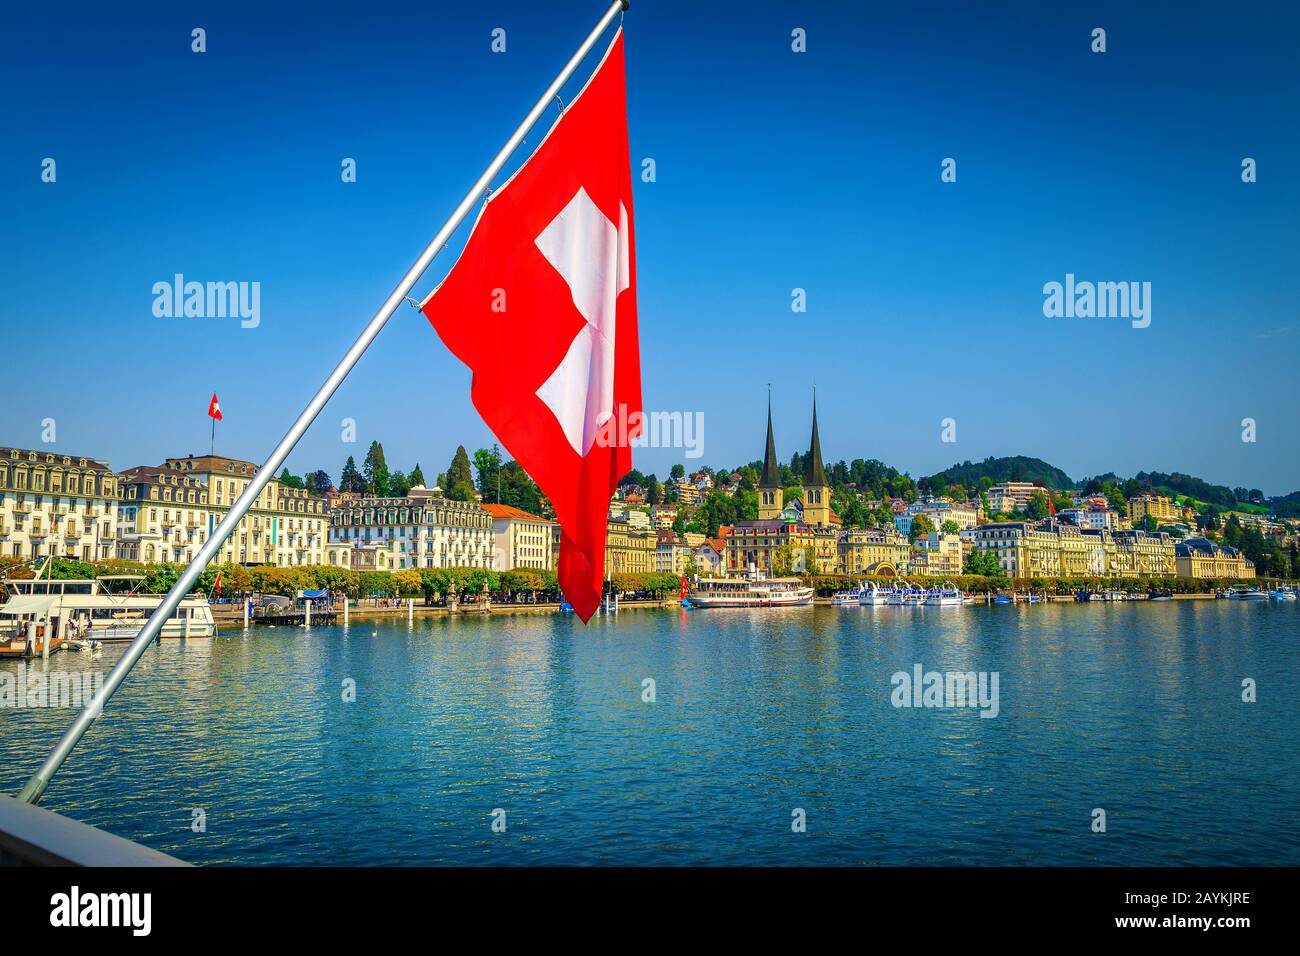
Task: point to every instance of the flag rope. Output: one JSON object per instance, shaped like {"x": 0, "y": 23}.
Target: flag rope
{"x": 40, "y": 780}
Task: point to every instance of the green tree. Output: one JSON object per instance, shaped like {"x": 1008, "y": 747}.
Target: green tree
{"x": 290, "y": 481}
{"x": 487, "y": 462}
{"x": 677, "y": 471}
{"x": 351, "y": 479}
{"x": 416, "y": 477}
{"x": 398, "y": 485}
{"x": 375, "y": 471}
{"x": 518, "y": 490}
{"x": 921, "y": 526}
{"x": 319, "y": 482}
{"x": 950, "y": 527}
{"x": 458, "y": 473}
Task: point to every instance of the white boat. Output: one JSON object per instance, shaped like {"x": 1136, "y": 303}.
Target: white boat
{"x": 753, "y": 590}
{"x": 1282, "y": 594}
{"x": 906, "y": 595}
{"x": 1243, "y": 593}
{"x": 946, "y": 595}
{"x": 94, "y": 609}
{"x": 849, "y": 598}
{"x": 873, "y": 595}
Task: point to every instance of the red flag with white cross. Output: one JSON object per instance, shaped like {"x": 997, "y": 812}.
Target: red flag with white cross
{"x": 541, "y": 306}
{"x": 214, "y": 408}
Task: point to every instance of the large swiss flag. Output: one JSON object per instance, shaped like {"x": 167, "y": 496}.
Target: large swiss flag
{"x": 541, "y": 306}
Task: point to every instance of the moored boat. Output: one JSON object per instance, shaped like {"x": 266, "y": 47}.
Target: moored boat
{"x": 1243, "y": 593}
{"x": 91, "y": 609}
{"x": 753, "y": 590}
{"x": 946, "y": 595}
{"x": 848, "y": 598}
{"x": 873, "y": 595}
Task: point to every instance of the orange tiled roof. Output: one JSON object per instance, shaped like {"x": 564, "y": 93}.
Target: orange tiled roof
{"x": 509, "y": 512}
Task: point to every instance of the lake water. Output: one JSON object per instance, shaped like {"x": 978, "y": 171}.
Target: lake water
{"x": 1133, "y": 708}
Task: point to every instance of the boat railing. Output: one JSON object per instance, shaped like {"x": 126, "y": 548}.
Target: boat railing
{"x": 33, "y": 836}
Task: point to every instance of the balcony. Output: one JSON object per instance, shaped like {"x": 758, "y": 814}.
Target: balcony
{"x": 23, "y": 508}
{"x": 36, "y": 532}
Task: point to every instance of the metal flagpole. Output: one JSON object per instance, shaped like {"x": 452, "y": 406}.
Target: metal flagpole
{"x": 35, "y": 787}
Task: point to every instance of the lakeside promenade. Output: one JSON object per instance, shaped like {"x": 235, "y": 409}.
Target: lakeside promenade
{"x": 228, "y": 615}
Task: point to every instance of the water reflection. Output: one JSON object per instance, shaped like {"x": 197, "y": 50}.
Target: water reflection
{"x": 1132, "y": 707}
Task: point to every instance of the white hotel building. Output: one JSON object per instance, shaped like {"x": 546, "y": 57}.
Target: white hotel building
{"x": 167, "y": 512}
{"x": 419, "y": 531}
{"x": 53, "y": 503}
{"x": 523, "y": 540}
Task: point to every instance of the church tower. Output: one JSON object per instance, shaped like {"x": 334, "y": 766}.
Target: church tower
{"x": 817, "y": 490}
{"x": 771, "y": 497}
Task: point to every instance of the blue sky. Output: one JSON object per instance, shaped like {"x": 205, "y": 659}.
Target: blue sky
{"x": 775, "y": 170}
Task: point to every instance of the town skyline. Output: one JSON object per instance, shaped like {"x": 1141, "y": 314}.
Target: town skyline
{"x": 432, "y": 463}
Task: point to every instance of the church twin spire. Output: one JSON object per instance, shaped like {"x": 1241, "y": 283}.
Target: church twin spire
{"x": 816, "y": 488}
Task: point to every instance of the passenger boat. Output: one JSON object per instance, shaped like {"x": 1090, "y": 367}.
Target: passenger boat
{"x": 873, "y": 595}
{"x": 849, "y": 598}
{"x": 946, "y": 595}
{"x": 753, "y": 590}
{"x": 1243, "y": 593}
{"x": 905, "y": 595}
{"x": 92, "y": 609}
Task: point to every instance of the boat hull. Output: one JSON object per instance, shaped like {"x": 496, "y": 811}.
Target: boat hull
{"x": 739, "y": 601}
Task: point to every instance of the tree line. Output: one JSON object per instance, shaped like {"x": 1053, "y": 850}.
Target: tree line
{"x": 488, "y": 476}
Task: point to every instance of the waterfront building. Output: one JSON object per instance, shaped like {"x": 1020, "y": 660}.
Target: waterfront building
{"x": 672, "y": 553}
{"x": 1142, "y": 554}
{"x": 1202, "y": 558}
{"x": 1159, "y": 507}
{"x": 874, "y": 551}
{"x": 937, "y": 554}
{"x": 412, "y": 533}
{"x": 628, "y": 549}
{"x": 522, "y": 540}
{"x": 710, "y": 557}
{"x": 167, "y": 512}
{"x": 1057, "y": 548}
{"x": 757, "y": 544}
{"x": 56, "y": 504}
{"x": 1022, "y": 548}
{"x": 164, "y": 516}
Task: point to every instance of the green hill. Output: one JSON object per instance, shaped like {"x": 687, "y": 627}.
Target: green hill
{"x": 1014, "y": 468}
